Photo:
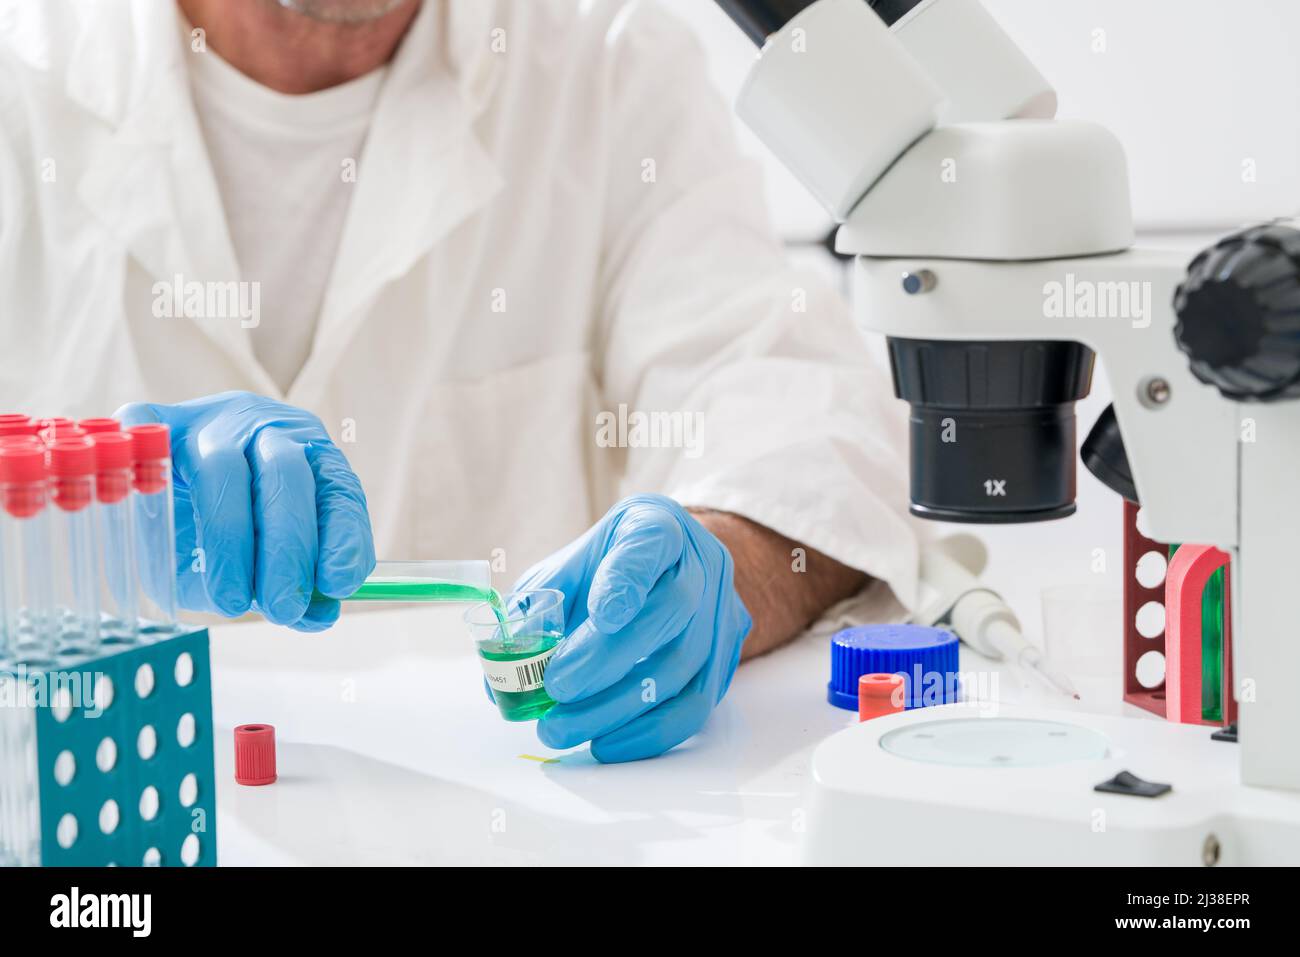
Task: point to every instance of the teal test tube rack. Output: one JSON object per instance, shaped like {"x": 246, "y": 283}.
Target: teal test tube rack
{"x": 109, "y": 760}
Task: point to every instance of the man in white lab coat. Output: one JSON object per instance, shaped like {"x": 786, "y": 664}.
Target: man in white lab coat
{"x": 508, "y": 256}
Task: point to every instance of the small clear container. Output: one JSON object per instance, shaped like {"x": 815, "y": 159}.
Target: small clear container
{"x": 515, "y": 641}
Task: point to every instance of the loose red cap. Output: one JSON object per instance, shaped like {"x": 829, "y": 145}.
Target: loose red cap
{"x": 21, "y": 440}
{"x": 879, "y": 695}
{"x": 152, "y": 442}
{"x": 254, "y": 754}
{"x": 96, "y": 426}
{"x": 12, "y": 417}
{"x": 44, "y": 424}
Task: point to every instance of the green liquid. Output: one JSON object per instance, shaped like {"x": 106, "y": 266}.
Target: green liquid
{"x": 407, "y": 589}
{"x": 414, "y": 590}
{"x": 521, "y": 705}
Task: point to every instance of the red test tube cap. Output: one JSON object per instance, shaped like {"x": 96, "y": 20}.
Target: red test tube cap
{"x": 95, "y": 426}
{"x": 22, "y": 462}
{"x": 254, "y": 754}
{"x": 113, "y": 450}
{"x": 879, "y": 695}
{"x": 22, "y": 475}
{"x": 25, "y": 427}
{"x": 72, "y": 457}
{"x": 55, "y": 433}
{"x": 152, "y": 441}
{"x": 151, "y": 446}
{"x": 113, "y": 458}
{"x": 69, "y": 461}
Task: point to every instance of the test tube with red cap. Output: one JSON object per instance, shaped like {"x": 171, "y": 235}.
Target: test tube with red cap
{"x": 115, "y": 534}
{"x": 155, "y": 527}
{"x": 71, "y": 470}
{"x": 29, "y": 628}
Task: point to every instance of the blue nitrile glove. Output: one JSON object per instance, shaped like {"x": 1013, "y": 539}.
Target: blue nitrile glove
{"x": 654, "y": 629}
{"x": 271, "y": 501}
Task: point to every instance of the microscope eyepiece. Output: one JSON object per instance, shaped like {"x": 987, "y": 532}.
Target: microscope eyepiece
{"x": 759, "y": 19}
{"x": 992, "y": 429}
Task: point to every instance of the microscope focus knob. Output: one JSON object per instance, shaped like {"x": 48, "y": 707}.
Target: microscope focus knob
{"x": 1239, "y": 314}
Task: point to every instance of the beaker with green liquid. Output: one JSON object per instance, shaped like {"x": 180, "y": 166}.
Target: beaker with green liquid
{"x": 515, "y": 646}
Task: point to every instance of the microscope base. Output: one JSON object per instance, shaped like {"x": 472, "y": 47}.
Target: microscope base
{"x": 996, "y": 784}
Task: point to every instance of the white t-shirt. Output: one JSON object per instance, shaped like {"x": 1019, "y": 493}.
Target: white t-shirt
{"x": 280, "y": 164}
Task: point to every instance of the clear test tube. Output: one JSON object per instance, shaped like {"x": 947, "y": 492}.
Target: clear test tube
{"x": 428, "y": 581}
{"x": 115, "y": 537}
{"x": 24, "y": 530}
{"x": 11, "y": 424}
{"x": 70, "y": 465}
{"x": 155, "y": 527}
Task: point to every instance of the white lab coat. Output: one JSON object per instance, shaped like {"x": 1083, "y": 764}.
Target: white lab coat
{"x": 550, "y": 220}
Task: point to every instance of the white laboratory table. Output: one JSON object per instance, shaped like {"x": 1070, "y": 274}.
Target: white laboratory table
{"x": 390, "y": 753}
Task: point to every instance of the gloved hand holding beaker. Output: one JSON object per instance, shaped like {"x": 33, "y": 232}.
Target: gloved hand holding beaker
{"x": 654, "y": 628}
{"x": 272, "y": 503}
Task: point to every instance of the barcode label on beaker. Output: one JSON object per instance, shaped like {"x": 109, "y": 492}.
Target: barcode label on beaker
{"x": 524, "y": 674}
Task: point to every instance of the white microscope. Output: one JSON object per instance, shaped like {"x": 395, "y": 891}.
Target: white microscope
{"x": 995, "y": 249}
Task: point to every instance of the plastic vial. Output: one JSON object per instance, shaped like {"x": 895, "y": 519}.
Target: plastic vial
{"x": 71, "y": 471}
{"x": 115, "y": 536}
{"x": 24, "y": 529}
{"x": 155, "y": 527}
{"x": 514, "y": 648}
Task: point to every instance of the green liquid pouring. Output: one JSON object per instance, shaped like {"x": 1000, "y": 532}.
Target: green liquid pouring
{"x": 403, "y": 589}
{"x": 500, "y": 655}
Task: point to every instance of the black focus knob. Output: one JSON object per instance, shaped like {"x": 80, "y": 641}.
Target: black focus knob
{"x": 1239, "y": 314}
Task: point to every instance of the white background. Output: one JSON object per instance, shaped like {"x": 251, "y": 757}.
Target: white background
{"x": 1193, "y": 88}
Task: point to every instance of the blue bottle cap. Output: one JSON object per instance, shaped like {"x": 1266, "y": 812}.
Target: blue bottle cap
{"x": 925, "y": 657}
